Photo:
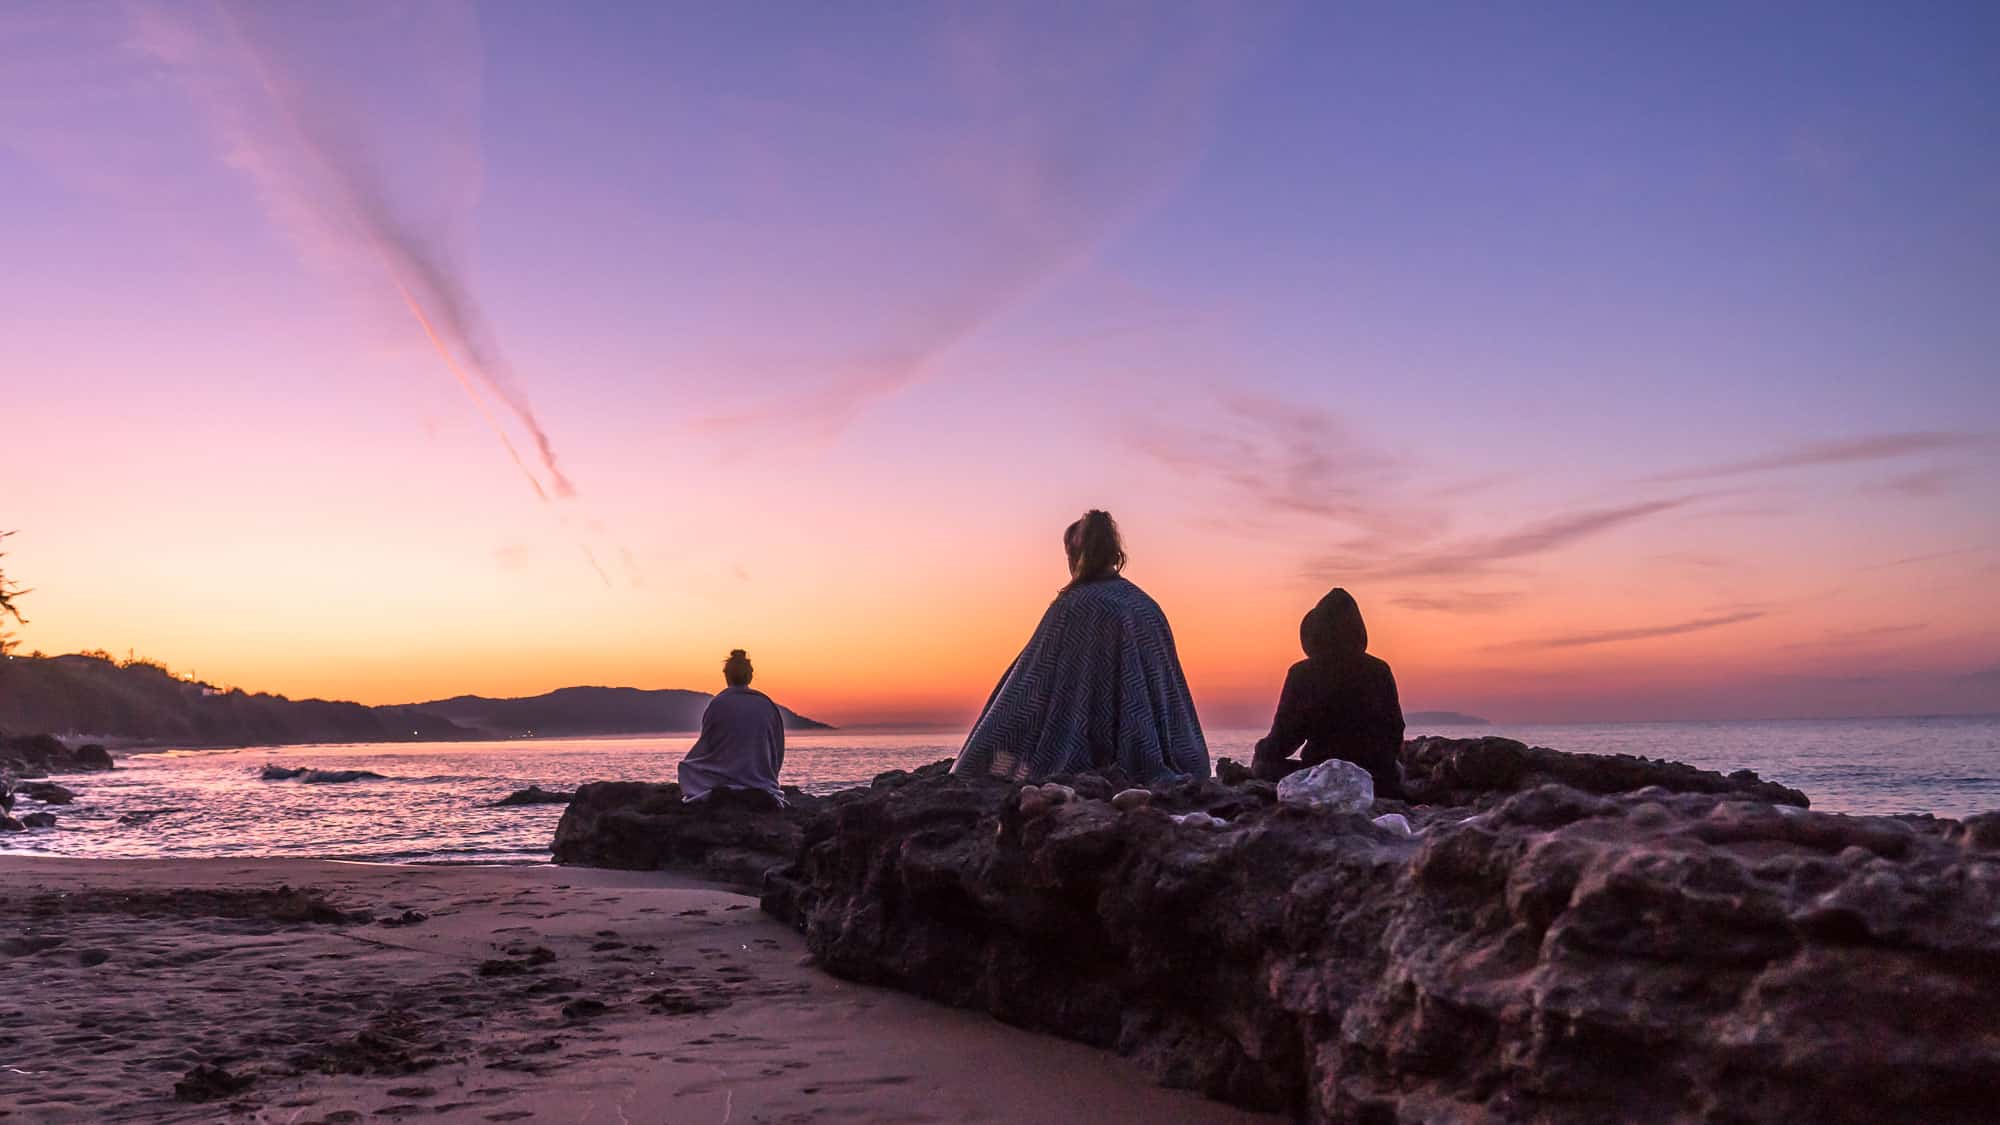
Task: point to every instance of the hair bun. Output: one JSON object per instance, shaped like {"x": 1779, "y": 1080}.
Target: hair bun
{"x": 738, "y": 654}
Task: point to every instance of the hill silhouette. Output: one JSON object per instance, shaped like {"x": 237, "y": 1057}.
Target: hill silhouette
{"x": 1444, "y": 719}
{"x": 588, "y": 710}
{"x": 142, "y": 702}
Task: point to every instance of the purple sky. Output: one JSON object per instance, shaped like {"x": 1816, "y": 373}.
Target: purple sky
{"x": 1624, "y": 363}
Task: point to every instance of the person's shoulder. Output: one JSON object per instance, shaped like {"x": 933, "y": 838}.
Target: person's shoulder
{"x": 1376, "y": 665}
{"x": 1120, "y": 592}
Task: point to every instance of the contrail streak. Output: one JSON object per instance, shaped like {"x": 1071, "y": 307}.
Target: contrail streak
{"x": 361, "y": 201}
{"x": 591, "y": 558}
{"x": 471, "y": 391}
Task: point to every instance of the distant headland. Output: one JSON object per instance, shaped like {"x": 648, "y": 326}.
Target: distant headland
{"x": 1444, "y": 719}
{"x": 140, "y": 702}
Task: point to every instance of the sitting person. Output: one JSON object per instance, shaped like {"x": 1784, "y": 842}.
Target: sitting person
{"x": 742, "y": 743}
{"x": 1098, "y": 685}
{"x": 1339, "y": 701}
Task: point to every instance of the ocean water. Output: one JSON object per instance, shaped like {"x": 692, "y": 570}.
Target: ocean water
{"x": 433, "y": 803}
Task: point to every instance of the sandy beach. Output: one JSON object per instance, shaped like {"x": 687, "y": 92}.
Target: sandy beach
{"x": 482, "y": 994}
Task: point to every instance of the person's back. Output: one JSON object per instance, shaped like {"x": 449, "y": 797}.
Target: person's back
{"x": 742, "y": 743}
{"x": 1098, "y": 685}
{"x": 1339, "y": 701}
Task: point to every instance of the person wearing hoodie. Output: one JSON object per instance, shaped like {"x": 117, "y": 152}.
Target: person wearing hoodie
{"x": 1339, "y": 702}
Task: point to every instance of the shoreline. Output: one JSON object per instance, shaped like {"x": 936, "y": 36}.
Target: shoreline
{"x": 514, "y": 992}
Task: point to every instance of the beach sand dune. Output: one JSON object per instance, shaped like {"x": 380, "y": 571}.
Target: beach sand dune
{"x": 256, "y": 990}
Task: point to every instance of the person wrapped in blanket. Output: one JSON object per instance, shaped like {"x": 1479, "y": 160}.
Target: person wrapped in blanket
{"x": 1098, "y": 684}
{"x": 742, "y": 743}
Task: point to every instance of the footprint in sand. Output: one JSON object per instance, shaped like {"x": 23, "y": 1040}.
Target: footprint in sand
{"x": 856, "y": 1085}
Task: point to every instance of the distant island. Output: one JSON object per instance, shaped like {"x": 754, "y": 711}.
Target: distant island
{"x": 139, "y": 702}
{"x": 1444, "y": 719}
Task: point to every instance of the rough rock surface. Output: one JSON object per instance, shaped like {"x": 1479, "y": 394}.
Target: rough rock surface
{"x": 38, "y": 755}
{"x": 534, "y": 795}
{"x": 310, "y": 776}
{"x": 1472, "y": 771}
{"x": 47, "y": 792}
{"x": 730, "y": 837}
{"x": 1635, "y": 954}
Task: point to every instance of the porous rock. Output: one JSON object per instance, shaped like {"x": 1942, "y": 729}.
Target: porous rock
{"x": 1477, "y": 771}
{"x": 47, "y": 792}
{"x": 1563, "y": 955}
{"x": 534, "y": 795}
{"x": 731, "y": 836}
{"x": 1605, "y": 938}
{"x": 38, "y": 755}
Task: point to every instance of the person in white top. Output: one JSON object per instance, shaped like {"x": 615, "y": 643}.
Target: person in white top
{"x": 742, "y": 743}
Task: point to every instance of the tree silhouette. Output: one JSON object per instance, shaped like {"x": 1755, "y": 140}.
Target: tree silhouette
{"x": 8, "y": 592}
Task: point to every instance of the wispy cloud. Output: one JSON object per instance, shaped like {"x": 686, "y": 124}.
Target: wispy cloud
{"x": 1696, "y": 560}
{"x": 1640, "y": 633}
{"x": 1875, "y": 447}
{"x": 1923, "y": 483}
{"x": 1980, "y": 677}
{"x": 1471, "y": 602}
{"x": 1481, "y": 554}
{"x": 1929, "y": 557}
{"x": 1847, "y": 638}
{"x": 299, "y": 142}
{"x": 1053, "y": 144}
{"x": 1277, "y": 459}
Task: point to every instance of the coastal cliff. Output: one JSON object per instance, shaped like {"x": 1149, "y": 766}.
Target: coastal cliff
{"x": 1572, "y": 938}
{"x": 138, "y": 702}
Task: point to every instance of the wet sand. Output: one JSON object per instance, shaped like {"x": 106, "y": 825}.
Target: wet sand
{"x": 510, "y": 994}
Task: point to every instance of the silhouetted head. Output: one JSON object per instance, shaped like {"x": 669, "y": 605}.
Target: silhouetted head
{"x": 1093, "y": 547}
{"x": 1334, "y": 627}
{"x": 736, "y": 670}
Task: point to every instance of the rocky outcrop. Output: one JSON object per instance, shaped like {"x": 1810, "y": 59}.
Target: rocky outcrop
{"x": 308, "y": 776}
{"x": 1561, "y": 954}
{"x": 47, "y": 792}
{"x": 731, "y": 837}
{"x": 533, "y": 795}
{"x": 1472, "y": 771}
{"x": 39, "y": 755}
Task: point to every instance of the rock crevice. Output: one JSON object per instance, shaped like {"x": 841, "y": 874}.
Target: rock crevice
{"x": 1571, "y": 938}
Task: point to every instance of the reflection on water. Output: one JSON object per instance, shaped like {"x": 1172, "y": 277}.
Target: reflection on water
{"x": 432, "y": 803}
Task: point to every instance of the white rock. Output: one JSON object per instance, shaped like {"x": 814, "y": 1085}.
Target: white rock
{"x": 1394, "y": 822}
{"x": 1334, "y": 786}
{"x": 1200, "y": 820}
{"x": 1127, "y": 799}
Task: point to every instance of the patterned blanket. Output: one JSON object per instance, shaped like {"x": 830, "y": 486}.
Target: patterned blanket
{"x": 1099, "y": 684}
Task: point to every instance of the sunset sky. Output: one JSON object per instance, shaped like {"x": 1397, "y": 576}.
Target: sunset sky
{"x": 1623, "y": 364}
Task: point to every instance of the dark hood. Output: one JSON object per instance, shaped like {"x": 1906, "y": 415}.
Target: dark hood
{"x": 1333, "y": 628}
